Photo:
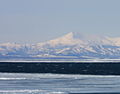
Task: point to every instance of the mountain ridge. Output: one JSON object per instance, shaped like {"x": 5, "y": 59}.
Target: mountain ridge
{"x": 70, "y": 45}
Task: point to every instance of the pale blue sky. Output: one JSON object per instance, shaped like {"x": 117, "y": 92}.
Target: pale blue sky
{"x": 32, "y": 21}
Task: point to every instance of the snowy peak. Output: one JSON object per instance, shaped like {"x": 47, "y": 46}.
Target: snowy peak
{"x": 74, "y": 35}
{"x": 76, "y": 38}
{"x": 79, "y": 38}
{"x": 69, "y": 39}
{"x": 73, "y": 44}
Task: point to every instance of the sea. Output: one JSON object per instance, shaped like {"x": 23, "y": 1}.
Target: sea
{"x": 35, "y": 83}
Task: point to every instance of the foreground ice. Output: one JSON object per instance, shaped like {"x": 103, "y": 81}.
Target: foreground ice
{"x": 16, "y": 83}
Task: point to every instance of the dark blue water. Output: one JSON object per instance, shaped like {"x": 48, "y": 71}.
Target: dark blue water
{"x": 17, "y": 83}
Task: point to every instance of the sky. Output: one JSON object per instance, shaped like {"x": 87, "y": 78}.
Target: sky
{"x": 34, "y": 21}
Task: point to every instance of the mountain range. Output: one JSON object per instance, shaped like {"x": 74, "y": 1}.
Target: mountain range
{"x": 71, "y": 45}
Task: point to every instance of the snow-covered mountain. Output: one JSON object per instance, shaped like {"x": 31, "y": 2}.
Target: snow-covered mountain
{"x": 72, "y": 45}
